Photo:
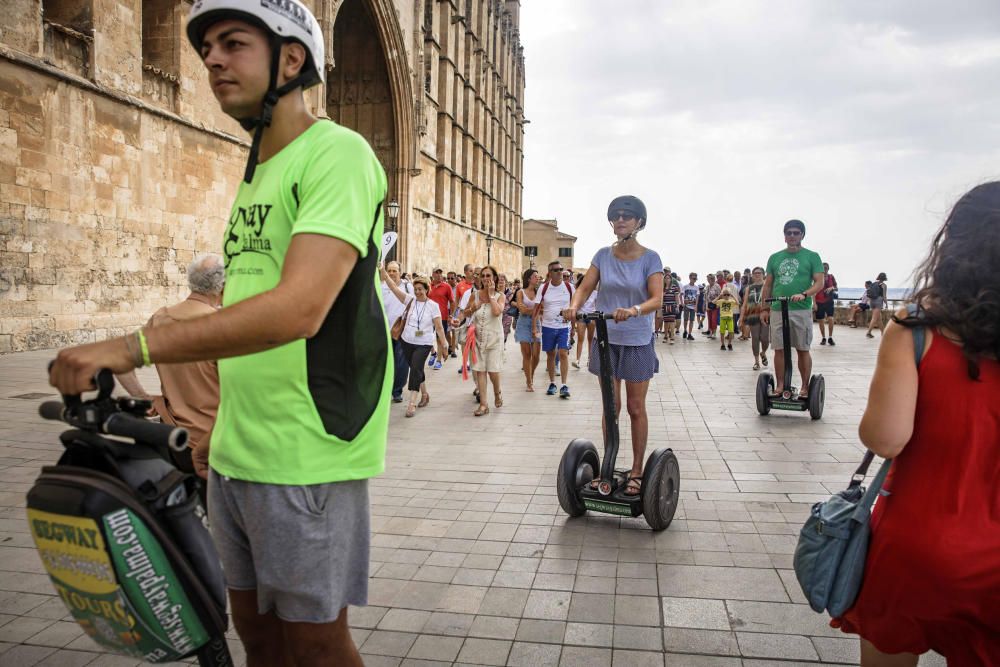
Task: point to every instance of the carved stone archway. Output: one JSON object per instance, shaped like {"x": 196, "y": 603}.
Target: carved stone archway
{"x": 370, "y": 90}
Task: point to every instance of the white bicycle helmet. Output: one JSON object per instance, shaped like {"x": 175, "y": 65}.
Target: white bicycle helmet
{"x": 283, "y": 20}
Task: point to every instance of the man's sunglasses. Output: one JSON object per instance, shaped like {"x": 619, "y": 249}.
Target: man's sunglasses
{"x": 793, "y": 232}
{"x": 559, "y": 270}
{"x": 627, "y": 217}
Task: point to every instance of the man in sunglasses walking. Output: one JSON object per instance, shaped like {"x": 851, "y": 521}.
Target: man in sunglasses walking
{"x": 797, "y": 273}
{"x": 554, "y": 297}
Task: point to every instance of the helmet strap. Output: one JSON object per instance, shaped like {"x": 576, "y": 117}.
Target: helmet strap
{"x": 274, "y": 93}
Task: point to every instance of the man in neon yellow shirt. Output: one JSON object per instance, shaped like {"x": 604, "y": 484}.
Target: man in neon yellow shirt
{"x": 302, "y": 340}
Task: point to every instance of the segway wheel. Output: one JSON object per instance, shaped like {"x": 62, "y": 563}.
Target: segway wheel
{"x": 765, "y": 385}
{"x": 817, "y": 396}
{"x": 661, "y": 488}
{"x": 578, "y": 467}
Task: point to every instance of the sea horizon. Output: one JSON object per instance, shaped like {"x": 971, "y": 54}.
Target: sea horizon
{"x": 855, "y": 293}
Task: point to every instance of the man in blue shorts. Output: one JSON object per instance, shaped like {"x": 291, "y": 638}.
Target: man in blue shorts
{"x": 554, "y": 297}
{"x": 304, "y": 356}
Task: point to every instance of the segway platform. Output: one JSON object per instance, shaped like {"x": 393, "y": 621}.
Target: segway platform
{"x": 121, "y": 535}
{"x": 615, "y": 502}
{"x": 581, "y": 465}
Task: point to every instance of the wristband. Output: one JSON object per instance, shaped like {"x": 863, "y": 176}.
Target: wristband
{"x": 638, "y": 311}
{"x": 141, "y": 337}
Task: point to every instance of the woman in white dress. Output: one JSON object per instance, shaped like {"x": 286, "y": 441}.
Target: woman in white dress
{"x": 486, "y": 310}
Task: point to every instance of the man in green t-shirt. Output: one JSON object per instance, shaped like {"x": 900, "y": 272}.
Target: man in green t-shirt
{"x": 797, "y": 273}
{"x": 304, "y": 369}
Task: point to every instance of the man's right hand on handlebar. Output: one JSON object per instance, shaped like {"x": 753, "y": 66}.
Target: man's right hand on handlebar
{"x": 74, "y": 368}
{"x": 569, "y": 314}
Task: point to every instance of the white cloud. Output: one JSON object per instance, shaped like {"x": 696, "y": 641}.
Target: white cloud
{"x": 866, "y": 120}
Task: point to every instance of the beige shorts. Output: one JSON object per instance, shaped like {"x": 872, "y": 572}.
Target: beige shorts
{"x": 800, "y": 329}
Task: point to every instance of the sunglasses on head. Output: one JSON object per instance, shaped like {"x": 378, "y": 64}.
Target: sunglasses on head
{"x": 627, "y": 217}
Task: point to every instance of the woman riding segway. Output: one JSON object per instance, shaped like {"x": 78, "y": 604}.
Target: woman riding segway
{"x": 631, "y": 289}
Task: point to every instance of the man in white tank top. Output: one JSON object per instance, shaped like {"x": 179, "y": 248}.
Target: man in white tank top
{"x": 554, "y": 296}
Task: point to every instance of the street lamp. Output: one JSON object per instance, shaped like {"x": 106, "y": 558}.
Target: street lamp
{"x": 489, "y": 243}
{"x": 392, "y": 210}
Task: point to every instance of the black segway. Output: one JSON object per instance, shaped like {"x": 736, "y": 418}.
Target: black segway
{"x": 789, "y": 398}
{"x": 121, "y": 533}
{"x": 580, "y": 463}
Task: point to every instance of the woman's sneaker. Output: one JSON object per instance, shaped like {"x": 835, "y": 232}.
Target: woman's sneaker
{"x": 551, "y": 391}
{"x": 564, "y": 392}
{"x": 432, "y": 359}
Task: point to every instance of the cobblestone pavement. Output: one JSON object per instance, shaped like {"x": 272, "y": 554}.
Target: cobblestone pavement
{"x": 474, "y": 562}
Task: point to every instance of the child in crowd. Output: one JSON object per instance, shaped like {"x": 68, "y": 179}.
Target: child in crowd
{"x": 727, "y": 303}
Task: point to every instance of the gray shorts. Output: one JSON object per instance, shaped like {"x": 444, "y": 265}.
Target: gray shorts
{"x": 800, "y": 329}
{"x": 303, "y": 548}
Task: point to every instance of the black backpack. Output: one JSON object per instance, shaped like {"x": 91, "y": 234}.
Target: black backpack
{"x": 874, "y": 291}
{"x": 122, "y": 536}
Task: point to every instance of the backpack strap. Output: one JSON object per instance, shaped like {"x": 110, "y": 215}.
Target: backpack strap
{"x": 919, "y": 334}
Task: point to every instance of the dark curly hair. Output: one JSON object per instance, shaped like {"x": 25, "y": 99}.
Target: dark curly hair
{"x": 958, "y": 286}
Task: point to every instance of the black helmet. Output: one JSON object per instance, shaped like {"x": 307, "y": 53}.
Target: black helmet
{"x": 795, "y": 224}
{"x": 629, "y": 204}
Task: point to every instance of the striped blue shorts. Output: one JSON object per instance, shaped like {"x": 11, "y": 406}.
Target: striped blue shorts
{"x": 631, "y": 363}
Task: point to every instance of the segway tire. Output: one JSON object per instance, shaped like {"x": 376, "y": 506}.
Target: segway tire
{"x": 765, "y": 385}
{"x": 661, "y": 489}
{"x": 817, "y": 396}
{"x": 578, "y": 466}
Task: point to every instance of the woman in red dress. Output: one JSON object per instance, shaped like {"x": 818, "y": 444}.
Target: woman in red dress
{"x": 932, "y": 577}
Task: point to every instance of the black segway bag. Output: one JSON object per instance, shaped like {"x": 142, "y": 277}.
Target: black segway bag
{"x": 122, "y": 536}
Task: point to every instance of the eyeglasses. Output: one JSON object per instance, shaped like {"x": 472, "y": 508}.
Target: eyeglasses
{"x": 793, "y": 232}
{"x": 627, "y": 217}
{"x": 557, "y": 270}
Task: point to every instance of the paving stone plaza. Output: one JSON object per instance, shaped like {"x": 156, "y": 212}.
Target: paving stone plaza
{"x": 473, "y": 561}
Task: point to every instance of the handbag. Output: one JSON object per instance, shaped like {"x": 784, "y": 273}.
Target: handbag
{"x": 400, "y": 323}
{"x": 830, "y": 555}
{"x": 512, "y": 310}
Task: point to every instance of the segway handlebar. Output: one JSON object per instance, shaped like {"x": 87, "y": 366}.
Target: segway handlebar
{"x": 122, "y": 417}
{"x": 594, "y": 316}
{"x": 777, "y": 299}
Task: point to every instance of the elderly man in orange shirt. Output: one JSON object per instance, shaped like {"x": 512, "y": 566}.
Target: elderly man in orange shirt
{"x": 190, "y": 392}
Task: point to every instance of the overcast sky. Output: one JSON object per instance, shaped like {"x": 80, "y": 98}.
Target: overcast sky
{"x": 866, "y": 119}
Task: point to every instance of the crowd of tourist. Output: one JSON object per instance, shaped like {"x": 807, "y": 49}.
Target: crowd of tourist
{"x": 728, "y": 306}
